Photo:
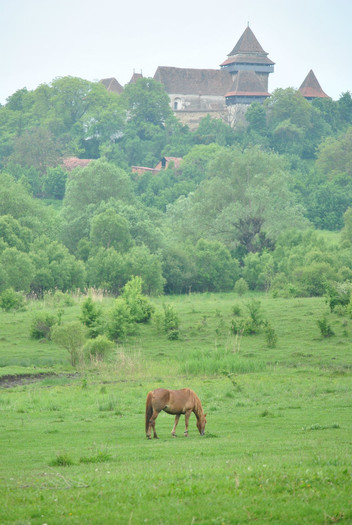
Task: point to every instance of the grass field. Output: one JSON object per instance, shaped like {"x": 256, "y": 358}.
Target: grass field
{"x": 278, "y": 442}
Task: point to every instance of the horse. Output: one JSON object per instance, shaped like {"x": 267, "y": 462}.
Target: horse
{"x": 175, "y": 402}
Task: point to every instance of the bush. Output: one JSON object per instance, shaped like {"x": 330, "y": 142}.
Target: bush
{"x": 41, "y": 325}
{"x": 140, "y": 308}
{"x": 98, "y": 348}
{"x": 325, "y": 328}
{"x": 241, "y": 287}
{"x": 171, "y": 323}
{"x": 120, "y": 321}
{"x": 70, "y": 336}
{"x": 270, "y": 336}
{"x": 11, "y": 300}
{"x": 91, "y": 317}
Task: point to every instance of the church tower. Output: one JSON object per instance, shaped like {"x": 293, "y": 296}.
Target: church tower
{"x": 249, "y": 67}
{"x": 310, "y": 87}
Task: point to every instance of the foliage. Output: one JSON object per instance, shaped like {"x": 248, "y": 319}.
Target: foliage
{"x": 70, "y": 336}
{"x": 41, "y": 325}
{"x": 140, "y": 308}
{"x": 324, "y": 327}
{"x": 241, "y": 286}
{"x": 98, "y": 348}
{"x": 91, "y": 317}
{"x": 119, "y": 321}
{"x": 11, "y": 300}
{"x": 171, "y": 322}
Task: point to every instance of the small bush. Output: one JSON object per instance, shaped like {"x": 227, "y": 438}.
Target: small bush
{"x": 61, "y": 460}
{"x": 270, "y": 336}
{"x": 241, "y": 287}
{"x": 236, "y": 310}
{"x": 119, "y": 321}
{"x": 41, "y": 325}
{"x": 325, "y": 328}
{"x": 11, "y": 300}
{"x": 91, "y": 317}
{"x": 243, "y": 326}
{"x": 70, "y": 336}
{"x": 98, "y": 348}
{"x": 171, "y": 323}
{"x": 140, "y": 307}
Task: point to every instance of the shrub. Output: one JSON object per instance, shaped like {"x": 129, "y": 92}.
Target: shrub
{"x": 270, "y": 336}
{"x": 254, "y": 308}
{"x": 241, "y": 287}
{"x": 325, "y": 328}
{"x": 243, "y": 326}
{"x": 120, "y": 321}
{"x": 140, "y": 308}
{"x": 98, "y": 348}
{"x": 41, "y": 325}
{"x": 171, "y": 323}
{"x": 91, "y": 317}
{"x": 70, "y": 336}
{"x": 11, "y": 300}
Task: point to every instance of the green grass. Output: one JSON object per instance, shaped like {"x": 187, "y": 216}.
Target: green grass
{"x": 277, "y": 447}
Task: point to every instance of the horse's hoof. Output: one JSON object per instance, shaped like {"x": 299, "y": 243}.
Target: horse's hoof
{"x": 186, "y": 434}
{"x": 148, "y": 437}
{"x": 156, "y": 437}
{"x": 174, "y": 435}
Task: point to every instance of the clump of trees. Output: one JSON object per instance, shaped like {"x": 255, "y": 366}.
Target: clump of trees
{"x": 243, "y": 207}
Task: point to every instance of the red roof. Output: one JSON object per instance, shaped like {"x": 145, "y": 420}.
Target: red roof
{"x": 247, "y": 84}
{"x": 311, "y": 88}
{"x": 71, "y": 163}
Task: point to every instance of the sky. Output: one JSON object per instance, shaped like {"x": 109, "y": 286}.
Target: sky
{"x": 41, "y": 40}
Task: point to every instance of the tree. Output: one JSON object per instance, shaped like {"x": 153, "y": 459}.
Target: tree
{"x": 37, "y": 148}
{"x": 86, "y": 189}
{"x": 108, "y": 229}
{"x": 335, "y": 155}
{"x": 70, "y": 336}
{"x": 244, "y": 201}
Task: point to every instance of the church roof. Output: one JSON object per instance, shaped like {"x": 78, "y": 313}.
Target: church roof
{"x": 247, "y": 84}
{"x": 194, "y": 81}
{"x": 248, "y": 50}
{"x": 311, "y": 88}
{"x": 135, "y": 77}
{"x": 112, "y": 84}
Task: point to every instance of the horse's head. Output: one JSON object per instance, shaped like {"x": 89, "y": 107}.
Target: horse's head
{"x": 201, "y": 422}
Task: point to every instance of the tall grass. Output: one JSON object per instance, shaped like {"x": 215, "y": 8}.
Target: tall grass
{"x": 220, "y": 361}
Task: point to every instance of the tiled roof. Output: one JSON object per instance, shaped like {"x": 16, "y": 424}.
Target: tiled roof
{"x": 247, "y": 44}
{"x": 194, "y": 81}
{"x": 311, "y": 88}
{"x": 248, "y": 59}
{"x": 135, "y": 77}
{"x": 112, "y": 84}
{"x": 71, "y": 163}
{"x": 248, "y": 84}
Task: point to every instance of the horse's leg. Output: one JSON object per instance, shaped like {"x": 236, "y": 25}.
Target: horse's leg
{"x": 152, "y": 424}
{"x": 173, "y": 431}
{"x": 187, "y": 414}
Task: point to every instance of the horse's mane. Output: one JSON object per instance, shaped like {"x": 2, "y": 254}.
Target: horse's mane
{"x": 198, "y": 409}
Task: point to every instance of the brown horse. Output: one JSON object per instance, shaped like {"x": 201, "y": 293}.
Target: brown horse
{"x": 174, "y": 402}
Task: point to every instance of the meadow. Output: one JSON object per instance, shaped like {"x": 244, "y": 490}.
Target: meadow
{"x": 278, "y": 443}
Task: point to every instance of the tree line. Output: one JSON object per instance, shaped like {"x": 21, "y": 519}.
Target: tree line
{"x": 245, "y": 203}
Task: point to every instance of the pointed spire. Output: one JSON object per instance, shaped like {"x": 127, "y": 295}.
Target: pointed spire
{"x": 247, "y": 44}
{"x": 310, "y": 87}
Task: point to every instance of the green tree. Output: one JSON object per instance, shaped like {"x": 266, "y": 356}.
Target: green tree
{"x": 109, "y": 229}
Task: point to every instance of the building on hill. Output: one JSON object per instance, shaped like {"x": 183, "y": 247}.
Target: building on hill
{"x": 223, "y": 93}
{"x": 310, "y": 87}
{"x": 241, "y": 80}
{"x": 248, "y": 55}
{"x": 112, "y": 84}
{"x": 164, "y": 163}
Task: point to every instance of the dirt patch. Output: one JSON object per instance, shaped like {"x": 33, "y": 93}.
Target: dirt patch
{"x": 10, "y": 381}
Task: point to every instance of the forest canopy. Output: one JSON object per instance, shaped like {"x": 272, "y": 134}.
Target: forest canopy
{"x": 244, "y": 203}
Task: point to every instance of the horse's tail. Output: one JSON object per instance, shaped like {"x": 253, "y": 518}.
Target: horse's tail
{"x": 148, "y": 410}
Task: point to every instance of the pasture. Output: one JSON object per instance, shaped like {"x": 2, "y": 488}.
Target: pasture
{"x": 277, "y": 446}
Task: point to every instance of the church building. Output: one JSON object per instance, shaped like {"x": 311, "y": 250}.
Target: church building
{"x": 226, "y": 93}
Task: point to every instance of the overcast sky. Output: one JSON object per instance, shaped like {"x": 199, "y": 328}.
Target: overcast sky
{"x": 44, "y": 39}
